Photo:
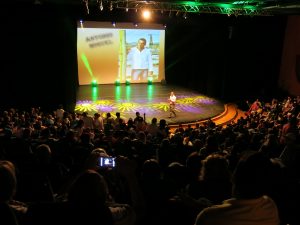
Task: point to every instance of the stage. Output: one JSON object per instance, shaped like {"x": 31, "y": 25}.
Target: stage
{"x": 151, "y": 100}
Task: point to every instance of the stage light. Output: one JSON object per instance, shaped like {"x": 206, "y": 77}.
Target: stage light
{"x": 37, "y": 2}
{"x": 117, "y": 82}
{"x": 146, "y": 14}
{"x": 101, "y": 5}
{"x": 87, "y": 6}
{"x": 94, "y": 83}
{"x": 81, "y": 23}
{"x": 114, "y": 24}
{"x": 150, "y": 80}
{"x": 135, "y": 24}
{"x": 185, "y": 15}
{"x": 127, "y": 82}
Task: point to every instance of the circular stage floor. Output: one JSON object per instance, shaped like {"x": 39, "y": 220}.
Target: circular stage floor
{"x": 151, "y": 100}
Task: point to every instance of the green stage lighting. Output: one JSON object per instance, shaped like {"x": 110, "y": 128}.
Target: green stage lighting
{"x": 150, "y": 79}
{"x": 127, "y": 82}
{"x": 117, "y": 82}
{"x": 94, "y": 83}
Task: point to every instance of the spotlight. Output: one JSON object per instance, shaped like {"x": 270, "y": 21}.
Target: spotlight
{"x": 127, "y": 6}
{"x": 87, "y": 6}
{"x": 185, "y": 15}
{"x": 117, "y": 82}
{"x": 135, "y": 24}
{"x": 150, "y": 80}
{"x": 127, "y": 82}
{"x": 94, "y": 83}
{"x": 81, "y": 23}
{"x": 114, "y": 24}
{"x": 101, "y": 5}
{"x": 146, "y": 14}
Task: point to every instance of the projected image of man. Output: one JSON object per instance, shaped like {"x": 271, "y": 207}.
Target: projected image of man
{"x": 140, "y": 59}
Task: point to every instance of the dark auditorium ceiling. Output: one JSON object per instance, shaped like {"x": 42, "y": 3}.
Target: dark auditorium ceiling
{"x": 235, "y": 7}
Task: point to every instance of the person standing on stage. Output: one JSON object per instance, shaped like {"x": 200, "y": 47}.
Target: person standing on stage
{"x": 172, "y": 101}
{"x": 140, "y": 59}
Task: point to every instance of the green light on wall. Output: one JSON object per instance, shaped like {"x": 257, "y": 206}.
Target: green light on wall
{"x": 150, "y": 92}
{"x": 117, "y": 82}
{"x": 128, "y": 92}
{"x": 95, "y": 93}
{"x": 127, "y": 82}
{"x": 117, "y": 93}
{"x": 94, "y": 83}
{"x": 150, "y": 80}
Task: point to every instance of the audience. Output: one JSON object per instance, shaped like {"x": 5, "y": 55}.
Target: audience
{"x": 161, "y": 176}
{"x": 249, "y": 204}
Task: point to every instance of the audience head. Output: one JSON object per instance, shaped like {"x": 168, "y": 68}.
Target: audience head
{"x": 43, "y": 154}
{"x": 89, "y": 188}
{"x": 8, "y": 181}
{"x": 154, "y": 120}
{"x": 151, "y": 169}
{"x": 215, "y": 167}
{"x": 252, "y": 176}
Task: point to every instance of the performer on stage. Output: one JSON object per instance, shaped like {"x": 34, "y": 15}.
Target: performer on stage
{"x": 172, "y": 101}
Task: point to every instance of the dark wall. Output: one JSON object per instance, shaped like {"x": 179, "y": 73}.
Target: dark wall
{"x": 226, "y": 57}
{"x": 38, "y": 66}
{"x": 221, "y": 56}
{"x": 289, "y": 79}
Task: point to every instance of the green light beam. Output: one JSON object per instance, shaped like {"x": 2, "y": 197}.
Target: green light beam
{"x": 87, "y": 65}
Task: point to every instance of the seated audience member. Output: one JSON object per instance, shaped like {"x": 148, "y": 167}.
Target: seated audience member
{"x": 249, "y": 205}
{"x": 215, "y": 180}
{"x": 7, "y": 190}
{"x": 35, "y": 181}
{"x": 86, "y": 203}
{"x": 255, "y": 107}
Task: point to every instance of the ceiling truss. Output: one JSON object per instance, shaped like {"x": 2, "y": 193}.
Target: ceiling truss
{"x": 248, "y": 7}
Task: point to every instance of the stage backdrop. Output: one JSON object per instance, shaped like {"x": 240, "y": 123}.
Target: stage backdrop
{"x": 103, "y": 48}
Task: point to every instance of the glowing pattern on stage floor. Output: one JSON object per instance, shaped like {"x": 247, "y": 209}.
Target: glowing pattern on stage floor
{"x": 151, "y": 100}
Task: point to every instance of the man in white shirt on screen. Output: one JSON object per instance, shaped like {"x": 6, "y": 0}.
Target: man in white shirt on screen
{"x": 140, "y": 59}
